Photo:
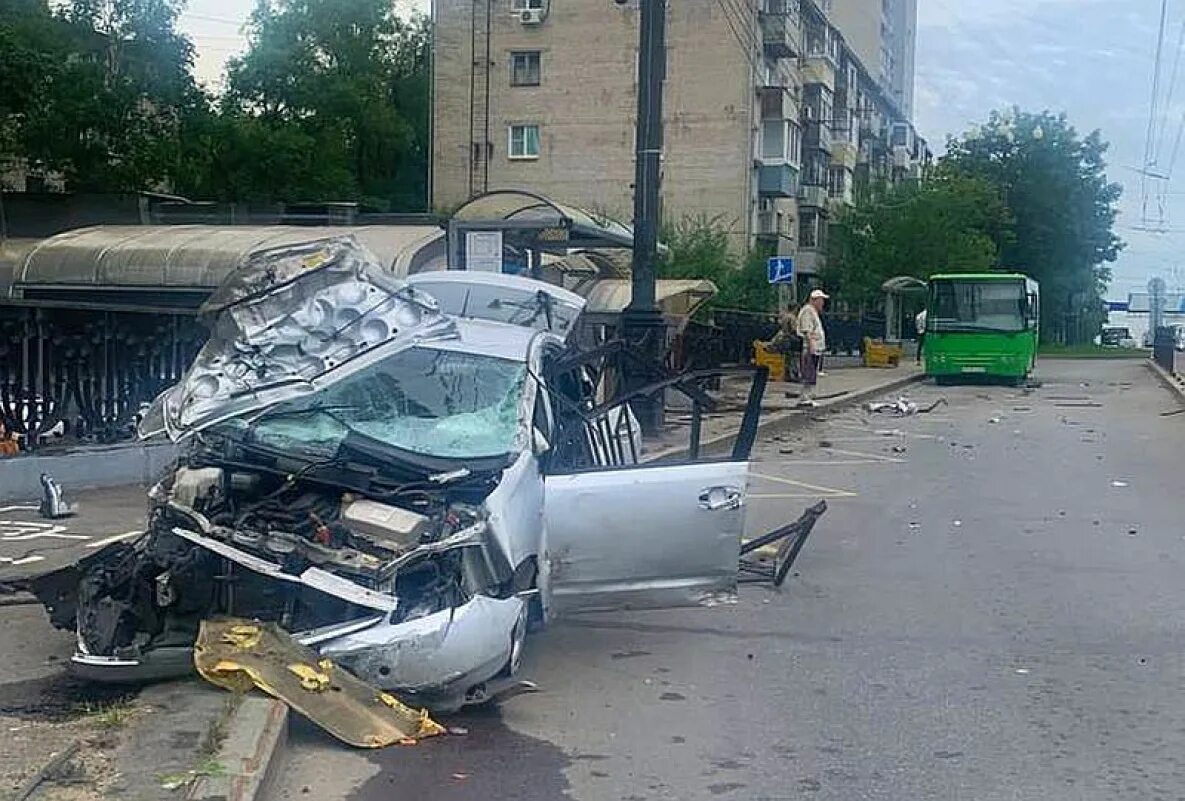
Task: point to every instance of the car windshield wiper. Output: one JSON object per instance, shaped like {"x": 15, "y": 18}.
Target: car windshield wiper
{"x": 329, "y": 410}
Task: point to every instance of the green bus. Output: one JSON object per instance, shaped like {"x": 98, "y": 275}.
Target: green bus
{"x": 981, "y": 324}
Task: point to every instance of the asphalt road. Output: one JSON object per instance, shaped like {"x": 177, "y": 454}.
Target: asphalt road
{"x": 990, "y": 610}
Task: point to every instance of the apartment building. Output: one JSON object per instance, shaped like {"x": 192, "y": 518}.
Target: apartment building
{"x": 883, "y": 35}
{"x": 771, "y": 119}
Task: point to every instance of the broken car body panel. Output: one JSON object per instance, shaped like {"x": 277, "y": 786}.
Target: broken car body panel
{"x": 287, "y": 322}
{"x": 669, "y": 536}
{"x": 238, "y": 654}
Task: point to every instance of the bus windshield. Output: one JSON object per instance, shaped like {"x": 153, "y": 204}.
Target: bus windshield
{"x": 994, "y": 306}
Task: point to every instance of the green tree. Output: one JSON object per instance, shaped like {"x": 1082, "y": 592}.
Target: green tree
{"x": 348, "y": 75}
{"x": 949, "y": 223}
{"x": 699, "y": 248}
{"x": 1054, "y": 183}
{"x": 104, "y": 105}
{"x": 32, "y": 43}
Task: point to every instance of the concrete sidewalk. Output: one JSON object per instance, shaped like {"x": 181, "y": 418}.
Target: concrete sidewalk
{"x": 838, "y": 387}
{"x": 84, "y": 466}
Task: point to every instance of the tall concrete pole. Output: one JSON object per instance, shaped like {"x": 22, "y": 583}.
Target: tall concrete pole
{"x": 642, "y": 322}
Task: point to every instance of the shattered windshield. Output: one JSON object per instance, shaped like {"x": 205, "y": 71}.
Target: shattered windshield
{"x": 438, "y": 403}
{"x": 994, "y": 306}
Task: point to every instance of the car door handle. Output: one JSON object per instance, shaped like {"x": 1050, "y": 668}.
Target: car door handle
{"x": 715, "y": 499}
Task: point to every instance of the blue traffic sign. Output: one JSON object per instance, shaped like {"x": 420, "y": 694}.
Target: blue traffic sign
{"x": 781, "y": 270}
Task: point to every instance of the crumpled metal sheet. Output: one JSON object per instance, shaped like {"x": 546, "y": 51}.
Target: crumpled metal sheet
{"x": 238, "y": 654}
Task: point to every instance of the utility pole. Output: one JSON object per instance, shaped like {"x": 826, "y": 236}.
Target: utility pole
{"x": 642, "y": 323}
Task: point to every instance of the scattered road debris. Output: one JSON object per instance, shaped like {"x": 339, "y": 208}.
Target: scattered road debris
{"x": 1118, "y": 483}
{"x": 889, "y": 432}
{"x": 1079, "y": 405}
{"x": 47, "y": 773}
{"x": 791, "y": 538}
{"x": 902, "y": 407}
{"x": 53, "y": 503}
{"x": 993, "y": 420}
{"x": 237, "y": 654}
{"x": 1173, "y": 412}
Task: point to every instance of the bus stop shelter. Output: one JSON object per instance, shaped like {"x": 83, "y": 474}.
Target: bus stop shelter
{"x": 896, "y": 289}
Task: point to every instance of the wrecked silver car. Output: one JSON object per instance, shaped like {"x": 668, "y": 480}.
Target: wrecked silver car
{"x": 403, "y": 474}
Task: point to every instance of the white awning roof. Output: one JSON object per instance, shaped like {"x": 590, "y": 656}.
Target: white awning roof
{"x": 675, "y": 297}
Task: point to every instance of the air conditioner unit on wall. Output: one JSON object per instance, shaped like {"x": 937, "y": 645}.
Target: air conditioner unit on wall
{"x": 530, "y": 16}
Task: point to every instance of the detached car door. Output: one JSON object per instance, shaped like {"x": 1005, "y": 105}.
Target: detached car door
{"x": 643, "y": 537}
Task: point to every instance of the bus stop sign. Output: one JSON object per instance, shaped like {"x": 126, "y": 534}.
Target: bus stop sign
{"x": 781, "y": 270}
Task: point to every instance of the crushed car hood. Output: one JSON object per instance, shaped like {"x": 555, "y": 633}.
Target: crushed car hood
{"x": 289, "y": 322}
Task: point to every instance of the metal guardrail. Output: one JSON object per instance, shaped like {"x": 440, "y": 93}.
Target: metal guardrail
{"x": 91, "y": 370}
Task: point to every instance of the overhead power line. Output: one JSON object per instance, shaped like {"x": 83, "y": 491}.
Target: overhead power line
{"x": 1150, "y": 136}
{"x": 1168, "y": 102}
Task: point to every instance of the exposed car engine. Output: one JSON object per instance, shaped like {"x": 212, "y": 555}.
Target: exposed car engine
{"x": 223, "y": 542}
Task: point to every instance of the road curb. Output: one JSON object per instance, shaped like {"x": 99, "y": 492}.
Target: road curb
{"x": 788, "y": 419}
{"x": 256, "y": 737}
{"x": 1172, "y": 383}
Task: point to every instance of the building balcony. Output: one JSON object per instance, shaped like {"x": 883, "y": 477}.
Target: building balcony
{"x": 774, "y": 231}
{"x": 813, "y": 196}
{"x": 778, "y": 102}
{"x": 817, "y": 136}
{"x": 902, "y": 157}
{"x": 777, "y": 180}
{"x": 779, "y": 34}
{"x": 844, "y": 152}
{"x": 818, "y": 68}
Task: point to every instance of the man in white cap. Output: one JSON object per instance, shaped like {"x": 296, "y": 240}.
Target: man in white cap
{"x": 814, "y": 343}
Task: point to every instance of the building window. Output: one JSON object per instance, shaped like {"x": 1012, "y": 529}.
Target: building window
{"x": 837, "y": 183}
{"x": 524, "y": 68}
{"x": 526, "y": 5}
{"x": 524, "y": 141}
{"x": 808, "y": 229}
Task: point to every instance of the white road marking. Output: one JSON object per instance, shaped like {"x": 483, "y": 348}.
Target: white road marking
{"x": 799, "y": 496}
{"x": 839, "y": 493}
{"x": 19, "y": 508}
{"x": 872, "y": 457}
{"x": 24, "y": 530}
{"x": 24, "y": 560}
{"x": 113, "y": 538}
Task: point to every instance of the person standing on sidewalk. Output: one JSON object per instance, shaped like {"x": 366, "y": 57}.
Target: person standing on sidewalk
{"x": 920, "y": 323}
{"x": 814, "y": 342}
{"x": 787, "y": 342}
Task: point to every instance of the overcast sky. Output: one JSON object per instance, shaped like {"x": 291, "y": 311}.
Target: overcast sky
{"x": 1091, "y": 58}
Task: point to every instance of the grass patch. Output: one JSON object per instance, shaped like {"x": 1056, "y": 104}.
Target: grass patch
{"x": 109, "y": 715}
{"x": 1091, "y": 352}
{"x": 216, "y": 732}
{"x": 208, "y": 768}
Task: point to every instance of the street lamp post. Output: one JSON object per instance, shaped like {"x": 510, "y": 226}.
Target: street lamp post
{"x": 642, "y": 323}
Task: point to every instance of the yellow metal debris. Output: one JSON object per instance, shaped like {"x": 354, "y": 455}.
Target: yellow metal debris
{"x": 238, "y": 654}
